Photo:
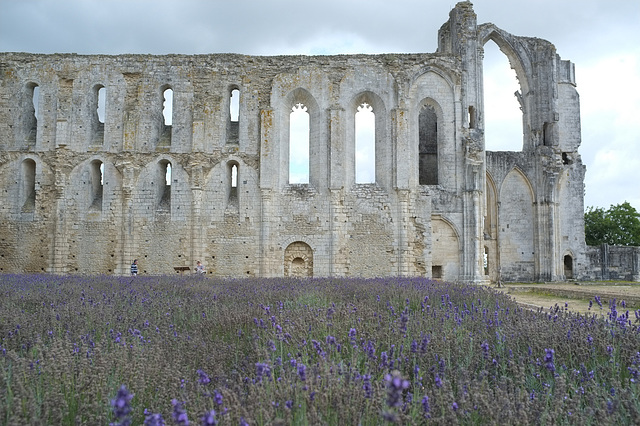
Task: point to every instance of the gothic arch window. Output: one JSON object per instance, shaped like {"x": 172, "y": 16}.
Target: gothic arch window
{"x": 428, "y": 145}
{"x": 32, "y": 113}
{"x": 28, "y": 187}
{"x": 232, "y": 185}
{"x": 98, "y": 107}
{"x": 96, "y": 182}
{"x": 365, "y": 141}
{"x": 503, "y": 111}
{"x": 164, "y": 177}
{"x": 167, "y": 117}
{"x": 233, "y": 128}
{"x": 299, "y": 144}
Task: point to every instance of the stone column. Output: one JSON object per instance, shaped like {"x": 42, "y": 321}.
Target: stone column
{"x": 60, "y": 260}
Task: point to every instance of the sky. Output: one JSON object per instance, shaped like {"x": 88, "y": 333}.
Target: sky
{"x": 601, "y": 37}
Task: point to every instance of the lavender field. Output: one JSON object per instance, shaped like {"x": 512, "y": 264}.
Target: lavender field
{"x": 169, "y": 350}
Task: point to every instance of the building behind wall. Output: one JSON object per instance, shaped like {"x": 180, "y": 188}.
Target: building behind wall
{"x": 172, "y": 171}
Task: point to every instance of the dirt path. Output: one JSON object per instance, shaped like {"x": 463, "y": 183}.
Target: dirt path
{"x": 575, "y": 297}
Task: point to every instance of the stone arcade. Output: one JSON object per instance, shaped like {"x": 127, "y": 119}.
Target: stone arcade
{"x": 86, "y": 192}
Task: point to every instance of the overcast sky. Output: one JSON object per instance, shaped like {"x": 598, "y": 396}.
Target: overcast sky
{"x": 602, "y": 38}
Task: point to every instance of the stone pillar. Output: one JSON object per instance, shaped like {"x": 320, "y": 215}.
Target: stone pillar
{"x": 128, "y": 237}
{"x": 197, "y": 229}
{"x": 266, "y": 249}
{"x": 338, "y": 219}
{"x": 403, "y": 225}
{"x": 60, "y": 260}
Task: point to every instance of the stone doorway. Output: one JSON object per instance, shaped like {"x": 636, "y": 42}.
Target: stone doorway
{"x": 568, "y": 267}
{"x": 298, "y": 260}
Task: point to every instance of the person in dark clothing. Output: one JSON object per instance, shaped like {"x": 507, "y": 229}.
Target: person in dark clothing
{"x": 134, "y": 268}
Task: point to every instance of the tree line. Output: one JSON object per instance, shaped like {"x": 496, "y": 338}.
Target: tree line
{"x": 619, "y": 225}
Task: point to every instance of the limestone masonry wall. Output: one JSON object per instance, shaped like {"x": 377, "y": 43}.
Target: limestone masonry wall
{"x": 106, "y": 159}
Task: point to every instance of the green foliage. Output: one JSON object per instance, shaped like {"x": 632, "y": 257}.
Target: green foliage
{"x": 620, "y": 225}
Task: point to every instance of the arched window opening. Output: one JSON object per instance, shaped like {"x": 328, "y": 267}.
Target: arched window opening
{"x": 99, "y": 105}
{"x": 33, "y": 113}
{"x": 100, "y": 110}
{"x": 428, "y": 146}
{"x": 472, "y": 117}
{"x": 28, "y": 189}
{"x": 234, "y": 105}
{"x": 164, "y": 185}
{"x": 568, "y": 267}
{"x": 96, "y": 182}
{"x": 232, "y": 179}
{"x": 167, "y": 114}
{"x": 365, "y": 122}
{"x": 485, "y": 260}
{"x": 299, "y": 145}
{"x": 167, "y": 107}
{"x": 233, "y": 125}
{"x": 502, "y": 109}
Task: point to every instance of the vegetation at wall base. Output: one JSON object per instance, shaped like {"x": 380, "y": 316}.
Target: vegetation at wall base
{"x": 154, "y": 350}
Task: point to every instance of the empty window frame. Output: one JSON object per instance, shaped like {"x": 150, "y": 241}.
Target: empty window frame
{"x": 96, "y": 182}
{"x": 98, "y": 106}
{"x": 299, "y": 145}
{"x": 365, "y": 139}
{"x": 233, "y": 127}
{"x": 28, "y": 186}
{"x": 232, "y": 179}
{"x": 163, "y": 178}
{"x": 32, "y": 112}
{"x": 428, "y": 146}
{"x": 167, "y": 117}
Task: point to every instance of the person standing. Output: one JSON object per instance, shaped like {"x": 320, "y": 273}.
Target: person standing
{"x": 134, "y": 268}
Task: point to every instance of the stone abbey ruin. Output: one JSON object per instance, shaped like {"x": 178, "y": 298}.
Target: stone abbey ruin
{"x": 87, "y": 192}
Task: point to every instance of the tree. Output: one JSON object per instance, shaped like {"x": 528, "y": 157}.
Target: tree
{"x": 620, "y": 225}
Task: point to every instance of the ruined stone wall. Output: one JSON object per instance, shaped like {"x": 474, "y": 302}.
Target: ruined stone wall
{"x": 85, "y": 193}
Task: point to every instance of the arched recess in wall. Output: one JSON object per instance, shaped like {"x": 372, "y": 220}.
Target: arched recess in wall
{"x": 516, "y": 228}
{"x": 166, "y": 126}
{"x": 505, "y": 86}
{"x": 490, "y": 229}
{"x": 367, "y": 134}
{"x": 311, "y": 167}
{"x": 233, "y": 120}
{"x": 446, "y": 252}
{"x": 429, "y": 141}
{"x": 27, "y": 194}
{"x": 98, "y": 105}
{"x": 298, "y": 260}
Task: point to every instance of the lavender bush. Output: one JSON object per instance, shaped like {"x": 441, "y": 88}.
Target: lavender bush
{"x": 180, "y": 350}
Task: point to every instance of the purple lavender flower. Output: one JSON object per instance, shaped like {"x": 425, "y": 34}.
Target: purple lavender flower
{"x": 395, "y": 386}
{"x": 438, "y": 381}
{"x": 217, "y": 396}
{"x": 179, "y": 413}
{"x": 302, "y": 372}
{"x": 289, "y": 404}
{"x": 485, "y": 350}
{"x": 454, "y": 406}
{"x": 262, "y": 370}
{"x": 121, "y": 407}
{"x": 153, "y": 419}
{"x": 204, "y": 378}
{"x": 425, "y": 406}
{"x": 209, "y": 419}
{"x": 548, "y": 360}
{"x": 366, "y": 386}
